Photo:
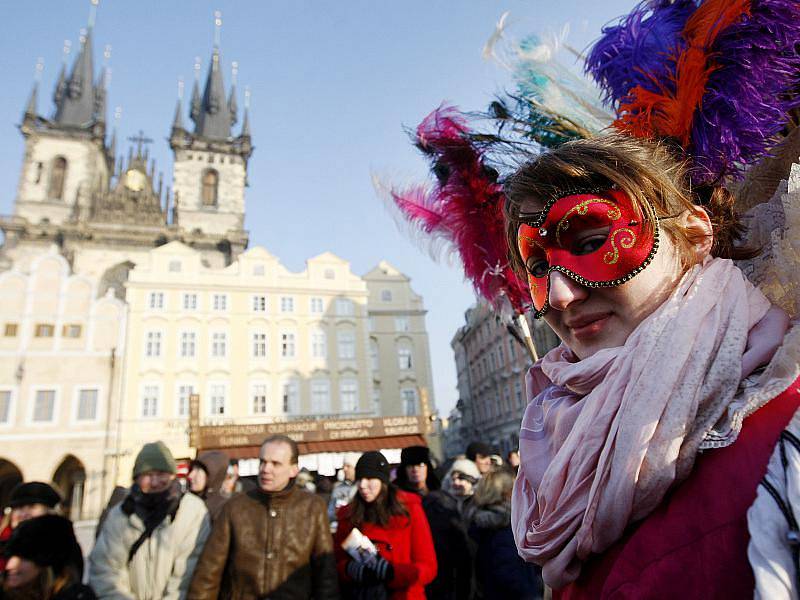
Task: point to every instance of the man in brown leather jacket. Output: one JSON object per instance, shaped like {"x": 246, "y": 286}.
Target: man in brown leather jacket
{"x": 271, "y": 542}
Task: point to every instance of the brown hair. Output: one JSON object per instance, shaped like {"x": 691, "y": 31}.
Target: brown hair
{"x": 379, "y": 511}
{"x": 649, "y": 172}
{"x": 279, "y": 438}
{"x": 494, "y": 488}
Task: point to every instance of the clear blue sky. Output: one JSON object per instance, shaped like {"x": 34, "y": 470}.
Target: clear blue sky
{"x": 333, "y": 84}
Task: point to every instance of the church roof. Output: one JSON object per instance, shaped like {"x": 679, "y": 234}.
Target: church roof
{"x": 77, "y": 98}
{"x": 213, "y": 116}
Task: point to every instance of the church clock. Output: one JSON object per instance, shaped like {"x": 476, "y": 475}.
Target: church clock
{"x": 135, "y": 180}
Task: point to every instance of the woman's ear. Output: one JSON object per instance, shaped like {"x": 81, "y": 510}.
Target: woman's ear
{"x": 700, "y": 232}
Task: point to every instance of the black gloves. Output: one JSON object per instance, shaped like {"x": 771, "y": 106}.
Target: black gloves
{"x": 380, "y": 572}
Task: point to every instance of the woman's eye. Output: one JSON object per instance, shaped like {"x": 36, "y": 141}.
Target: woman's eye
{"x": 589, "y": 244}
{"x": 537, "y": 267}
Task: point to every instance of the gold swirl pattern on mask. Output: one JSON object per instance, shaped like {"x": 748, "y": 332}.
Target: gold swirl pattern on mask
{"x": 612, "y": 256}
{"x": 582, "y": 208}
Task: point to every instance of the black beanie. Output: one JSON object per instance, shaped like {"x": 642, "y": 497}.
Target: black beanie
{"x": 373, "y": 465}
{"x": 33, "y": 492}
{"x": 48, "y": 541}
{"x": 415, "y": 455}
{"x": 476, "y": 448}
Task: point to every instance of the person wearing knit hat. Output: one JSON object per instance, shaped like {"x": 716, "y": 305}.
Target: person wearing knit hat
{"x": 45, "y": 561}
{"x": 150, "y": 542}
{"x": 394, "y": 521}
{"x": 463, "y": 476}
{"x": 416, "y": 473}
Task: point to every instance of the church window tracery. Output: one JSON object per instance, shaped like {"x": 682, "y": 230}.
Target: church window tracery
{"x": 58, "y": 174}
{"x": 210, "y": 183}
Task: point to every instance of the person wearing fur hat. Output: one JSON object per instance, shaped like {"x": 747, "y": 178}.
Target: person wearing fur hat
{"x": 481, "y": 454}
{"x": 416, "y": 473}
{"x": 395, "y": 523}
{"x": 150, "y": 543}
{"x": 447, "y": 511}
{"x": 206, "y": 476}
{"x": 44, "y": 562}
{"x": 28, "y": 500}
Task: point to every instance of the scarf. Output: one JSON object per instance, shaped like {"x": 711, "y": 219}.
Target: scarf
{"x": 152, "y": 509}
{"x": 605, "y": 438}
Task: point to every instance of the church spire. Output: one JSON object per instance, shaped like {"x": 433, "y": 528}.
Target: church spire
{"x": 77, "y": 98}
{"x": 233, "y": 107}
{"x": 214, "y": 119}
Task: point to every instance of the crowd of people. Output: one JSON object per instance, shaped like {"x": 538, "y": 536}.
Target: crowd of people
{"x": 414, "y": 531}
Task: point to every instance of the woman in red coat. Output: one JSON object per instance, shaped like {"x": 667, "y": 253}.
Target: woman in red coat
{"x": 396, "y": 525}
{"x": 648, "y": 430}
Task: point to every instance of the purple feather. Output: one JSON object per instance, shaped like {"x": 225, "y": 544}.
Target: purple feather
{"x": 636, "y": 50}
{"x": 748, "y": 97}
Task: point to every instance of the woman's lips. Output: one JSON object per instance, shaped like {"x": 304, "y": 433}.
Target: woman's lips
{"x": 588, "y": 326}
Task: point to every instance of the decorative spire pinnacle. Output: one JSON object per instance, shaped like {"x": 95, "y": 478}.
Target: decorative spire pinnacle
{"x": 246, "y": 119}
{"x": 232, "y": 105}
{"x": 93, "y": 12}
{"x": 217, "y": 27}
{"x": 30, "y": 107}
{"x": 196, "y": 100}
{"x": 61, "y": 85}
{"x": 177, "y": 121}
{"x": 77, "y": 97}
{"x": 214, "y": 120}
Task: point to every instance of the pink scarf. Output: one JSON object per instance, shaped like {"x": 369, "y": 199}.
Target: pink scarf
{"x": 604, "y": 438}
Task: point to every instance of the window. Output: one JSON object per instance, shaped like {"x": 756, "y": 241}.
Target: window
{"x": 507, "y": 399}
{"x": 289, "y": 397}
{"x": 71, "y": 330}
{"x": 320, "y": 397}
{"x": 374, "y": 357}
{"x": 317, "y": 306}
{"x": 409, "y": 398}
{"x": 44, "y": 406}
{"x": 220, "y": 302}
{"x": 348, "y": 392}
{"x": 344, "y": 307}
{"x": 216, "y": 397}
{"x": 370, "y": 323}
{"x": 156, "y": 300}
{"x": 259, "y": 399}
{"x": 87, "y": 405}
{"x": 175, "y": 266}
{"x": 497, "y": 408}
{"x": 188, "y": 344}
{"x": 512, "y": 350}
{"x": 329, "y": 274}
{"x": 10, "y": 330}
{"x": 185, "y": 390}
{"x": 518, "y": 393}
{"x": 492, "y": 361}
{"x": 152, "y": 344}
{"x": 58, "y": 175}
{"x": 259, "y": 303}
{"x": 404, "y": 358}
{"x": 219, "y": 344}
{"x": 5, "y": 407}
{"x": 347, "y": 345}
{"x": 287, "y": 345}
{"x": 287, "y": 304}
{"x": 44, "y": 330}
{"x": 150, "y": 395}
{"x": 210, "y": 184}
{"x": 259, "y": 345}
{"x": 386, "y": 295}
{"x": 401, "y": 323}
{"x": 190, "y": 302}
{"x": 319, "y": 344}
{"x": 39, "y": 168}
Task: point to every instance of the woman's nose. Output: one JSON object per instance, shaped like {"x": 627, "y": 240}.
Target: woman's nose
{"x": 564, "y": 291}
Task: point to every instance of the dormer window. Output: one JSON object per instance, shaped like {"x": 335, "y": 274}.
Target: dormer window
{"x": 58, "y": 174}
{"x": 210, "y": 184}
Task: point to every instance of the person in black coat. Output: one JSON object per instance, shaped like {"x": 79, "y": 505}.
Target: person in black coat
{"x": 44, "y": 561}
{"x": 500, "y": 573}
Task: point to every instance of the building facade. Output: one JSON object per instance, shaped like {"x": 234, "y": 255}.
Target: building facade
{"x": 491, "y": 364}
{"x": 123, "y": 296}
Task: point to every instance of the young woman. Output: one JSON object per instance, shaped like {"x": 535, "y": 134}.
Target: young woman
{"x": 648, "y": 430}
{"x": 44, "y": 562}
{"x": 500, "y": 573}
{"x": 396, "y": 524}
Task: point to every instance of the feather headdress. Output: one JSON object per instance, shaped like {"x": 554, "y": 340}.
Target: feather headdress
{"x": 464, "y": 208}
{"x": 719, "y": 78}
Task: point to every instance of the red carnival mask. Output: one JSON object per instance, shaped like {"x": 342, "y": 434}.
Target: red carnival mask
{"x": 597, "y": 239}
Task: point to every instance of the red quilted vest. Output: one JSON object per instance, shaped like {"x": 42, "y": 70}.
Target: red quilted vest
{"x": 694, "y": 545}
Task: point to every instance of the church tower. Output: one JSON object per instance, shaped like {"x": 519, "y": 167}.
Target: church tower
{"x": 66, "y": 158}
{"x": 210, "y": 165}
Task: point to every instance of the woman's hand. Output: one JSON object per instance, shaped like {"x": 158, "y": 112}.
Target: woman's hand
{"x": 764, "y": 339}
